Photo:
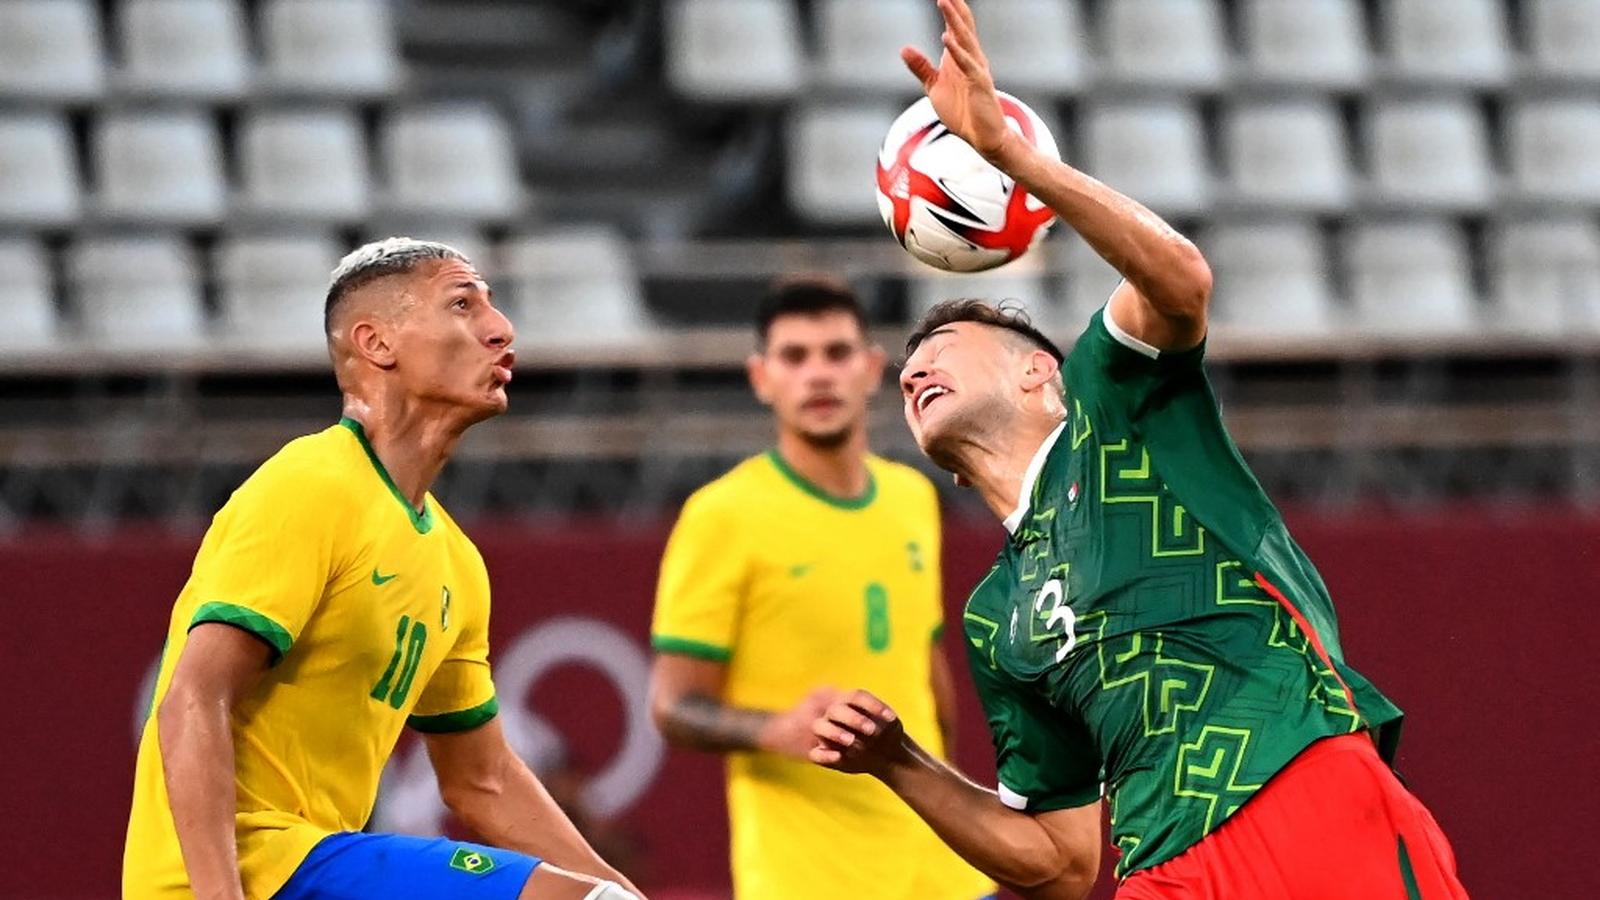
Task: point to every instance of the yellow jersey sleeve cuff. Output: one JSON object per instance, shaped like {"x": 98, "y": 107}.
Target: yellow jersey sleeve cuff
{"x": 274, "y": 635}
{"x": 686, "y": 647}
{"x": 449, "y": 723}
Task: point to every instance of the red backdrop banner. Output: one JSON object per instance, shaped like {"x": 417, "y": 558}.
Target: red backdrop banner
{"x": 1479, "y": 624}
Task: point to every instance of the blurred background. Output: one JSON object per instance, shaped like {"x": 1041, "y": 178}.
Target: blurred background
{"x": 1400, "y": 200}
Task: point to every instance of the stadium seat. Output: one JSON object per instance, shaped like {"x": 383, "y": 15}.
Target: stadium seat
{"x": 1308, "y": 43}
{"x": 307, "y": 165}
{"x": 1462, "y": 42}
{"x": 341, "y": 48}
{"x": 451, "y": 162}
{"x": 576, "y": 287}
{"x": 1562, "y": 37}
{"x": 860, "y": 43}
{"x": 833, "y": 153}
{"x": 184, "y": 48}
{"x": 1151, "y": 150}
{"x": 136, "y": 293}
{"x": 272, "y": 289}
{"x": 38, "y": 171}
{"x": 1410, "y": 278}
{"x": 1546, "y": 275}
{"x": 1289, "y": 154}
{"x": 1035, "y": 46}
{"x": 1090, "y": 281}
{"x": 1016, "y": 282}
{"x": 1270, "y": 276}
{"x": 159, "y": 167}
{"x": 28, "y": 317}
{"x": 734, "y": 50}
{"x": 51, "y": 50}
{"x": 1555, "y": 150}
{"x": 1163, "y": 43}
{"x": 1430, "y": 153}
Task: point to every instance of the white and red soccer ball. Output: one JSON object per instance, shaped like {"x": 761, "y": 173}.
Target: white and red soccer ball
{"x": 947, "y": 205}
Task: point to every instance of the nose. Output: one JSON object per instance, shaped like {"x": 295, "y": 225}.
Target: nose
{"x": 909, "y": 379}
{"x": 501, "y": 331}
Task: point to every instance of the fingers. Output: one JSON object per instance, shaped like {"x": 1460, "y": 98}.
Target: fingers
{"x": 919, "y": 65}
{"x": 962, "y": 9}
{"x": 969, "y": 65}
{"x": 962, "y": 27}
{"x": 870, "y": 705}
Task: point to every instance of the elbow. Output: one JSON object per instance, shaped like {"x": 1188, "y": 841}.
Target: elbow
{"x": 1188, "y": 288}
{"x": 1067, "y": 877}
{"x": 663, "y": 712}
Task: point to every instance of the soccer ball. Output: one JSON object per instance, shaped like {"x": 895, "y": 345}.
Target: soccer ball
{"x": 948, "y": 206}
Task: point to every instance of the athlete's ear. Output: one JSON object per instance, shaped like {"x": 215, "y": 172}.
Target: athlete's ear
{"x": 371, "y": 341}
{"x": 877, "y": 361}
{"x": 1040, "y": 369}
{"x": 755, "y": 366}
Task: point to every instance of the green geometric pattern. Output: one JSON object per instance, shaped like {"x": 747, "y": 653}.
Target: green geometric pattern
{"x": 276, "y": 636}
{"x": 1169, "y": 685}
{"x": 473, "y": 862}
{"x": 988, "y": 625}
{"x": 1208, "y": 770}
{"x": 1127, "y": 477}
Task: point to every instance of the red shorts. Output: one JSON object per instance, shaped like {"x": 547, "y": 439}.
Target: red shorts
{"x": 1335, "y": 824}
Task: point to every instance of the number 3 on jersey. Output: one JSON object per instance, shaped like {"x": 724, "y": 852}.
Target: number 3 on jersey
{"x": 1051, "y": 607}
{"x": 409, "y": 639}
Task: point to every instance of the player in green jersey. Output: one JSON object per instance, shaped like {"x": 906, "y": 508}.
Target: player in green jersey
{"x": 1150, "y": 633}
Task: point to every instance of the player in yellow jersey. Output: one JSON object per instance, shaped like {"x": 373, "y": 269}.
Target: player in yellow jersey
{"x": 814, "y": 564}
{"x": 332, "y": 603}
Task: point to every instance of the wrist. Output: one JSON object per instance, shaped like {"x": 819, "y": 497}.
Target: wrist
{"x": 1008, "y": 152}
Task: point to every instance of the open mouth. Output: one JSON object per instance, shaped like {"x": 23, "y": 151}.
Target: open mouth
{"x": 929, "y": 394}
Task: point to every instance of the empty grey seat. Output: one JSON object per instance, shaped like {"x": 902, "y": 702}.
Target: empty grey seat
{"x": 1555, "y": 150}
{"x": 1461, "y": 42}
{"x": 1287, "y": 154}
{"x": 1432, "y": 153}
{"x": 304, "y": 164}
{"x": 1270, "y": 277}
{"x": 162, "y": 167}
{"x": 273, "y": 287}
{"x": 451, "y": 161}
{"x": 1545, "y": 275}
{"x": 1410, "y": 278}
{"x": 1154, "y": 151}
{"x": 38, "y": 171}
{"x": 184, "y": 48}
{"x": 734, "y": 50}
{"x": 330, "y": 47}
{"x": 51, "y": 50}
{"x": 136, "y": 293}
{"x": 576, "y": 287}
{"x": 1562, "y": 37}
{"x": 28, "y": 315}
{"x": 1163, "y": 43}
{"x": 1313, "y": 43}
{"x": 832, "y": 162}
{"x": 860, "y": 43}
{"x": 1035, "y": 46}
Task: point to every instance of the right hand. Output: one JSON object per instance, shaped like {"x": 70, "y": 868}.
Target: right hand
{"x": 961, "y": 86}
{"x": 861, "y": 735}
{"x": 789, "y": 733}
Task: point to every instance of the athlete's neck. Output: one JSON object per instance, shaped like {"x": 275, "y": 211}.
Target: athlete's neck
{"x": 837, "y": 470}
{"x": 994, "y": 466}
{"x": 412, "y": 440}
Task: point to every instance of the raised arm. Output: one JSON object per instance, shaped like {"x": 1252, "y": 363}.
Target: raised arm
{"x": 1167, "y": 286}
{"x": 686, "y": 703}
{"x": 1049, "y": 856}
{"x": 219, "y": 663}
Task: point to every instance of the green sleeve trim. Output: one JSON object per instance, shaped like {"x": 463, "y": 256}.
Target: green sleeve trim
{"x": 465, "y": 720}
{"x": 275, "y": 635}
{"x": 799, "y": 481}
{"x": 697, "y": 649}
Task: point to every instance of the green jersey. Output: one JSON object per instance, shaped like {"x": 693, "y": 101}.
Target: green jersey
{"x": 1150, "y": 632}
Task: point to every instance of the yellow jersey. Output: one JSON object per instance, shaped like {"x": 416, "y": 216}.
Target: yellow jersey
{"x": 795, "y": 589}
{"x": 377, "y": 616}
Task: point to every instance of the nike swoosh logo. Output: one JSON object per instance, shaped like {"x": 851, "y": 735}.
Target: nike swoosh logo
{"x": 801, "y": 570}
{"x": 381, "y": 580}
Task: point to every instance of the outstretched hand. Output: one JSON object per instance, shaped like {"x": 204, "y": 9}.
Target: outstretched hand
{"x": 859, "y": 734}
{"x": 961, "y": 87}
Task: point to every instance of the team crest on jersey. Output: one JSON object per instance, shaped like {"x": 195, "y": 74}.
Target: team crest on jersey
{"x": 914, "y": 553}
{"x": 1072, "y": 494}
{"x": 473, "y": 862}
{"x": 444, "y": 610}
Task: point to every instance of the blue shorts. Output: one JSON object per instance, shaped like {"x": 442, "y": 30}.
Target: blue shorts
{"x": 356, "y": 866}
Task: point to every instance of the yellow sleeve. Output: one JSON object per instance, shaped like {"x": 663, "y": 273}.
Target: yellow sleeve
{"x": 933, "y": 557}
{"x": 702, "y": 583}
{"x": 270, "y": 553}
{"x": 460, "y": 696}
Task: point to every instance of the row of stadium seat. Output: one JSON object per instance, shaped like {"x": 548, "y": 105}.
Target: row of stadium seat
{"x": 310, "y": 164}
{"x": 1294, "y": 154}
{"x": 55, "y": 51}
{"x": 752, "y": 50}
{"x": 1401, "y": 278}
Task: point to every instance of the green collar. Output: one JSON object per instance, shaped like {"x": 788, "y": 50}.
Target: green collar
{"x": 423, "y": 521}
{"x": 799, "y": 481}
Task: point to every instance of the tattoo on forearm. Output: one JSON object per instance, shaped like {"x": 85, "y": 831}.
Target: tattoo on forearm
{"x": 704, "y": 723}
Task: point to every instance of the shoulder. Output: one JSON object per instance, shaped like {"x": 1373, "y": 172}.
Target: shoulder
{"x": 309, "y": 471}
{"x": 896, "y": 480}
{"x": 735, "y": 489}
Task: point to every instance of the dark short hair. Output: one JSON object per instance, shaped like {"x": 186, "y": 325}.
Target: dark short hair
{"x": 810, "y": 295}
{"x": 1006, "y": 314}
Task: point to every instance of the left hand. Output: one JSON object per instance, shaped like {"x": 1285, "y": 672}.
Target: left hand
{"x": 961, "y": 88}
{"x": 859, "y": 734}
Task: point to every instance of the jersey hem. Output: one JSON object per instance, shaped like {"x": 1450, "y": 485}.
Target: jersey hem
{"x": 274, "y": 635}
{"x": 462, "y": 720}
{"x": 687, "y": 647}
